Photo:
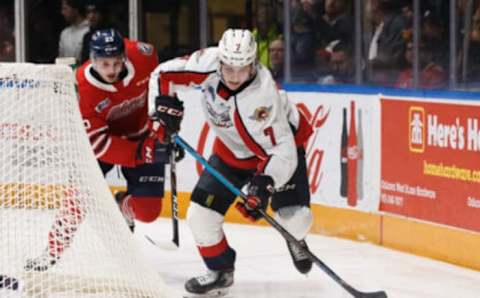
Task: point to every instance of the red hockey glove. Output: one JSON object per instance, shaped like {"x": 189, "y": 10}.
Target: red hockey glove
{"x": 259, "y": 192}
{"x": 169, "y": 112}
{"x": 154, "y": 142}
{"x": 151, "y": 150}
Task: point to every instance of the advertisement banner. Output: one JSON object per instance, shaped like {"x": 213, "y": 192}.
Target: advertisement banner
{"x": 431, "y": 161}
{"x": 342, "y": 154}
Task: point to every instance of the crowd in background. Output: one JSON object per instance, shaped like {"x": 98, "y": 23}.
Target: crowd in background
{"x": 323, "y": 43}
{"x": 322, "y": 38}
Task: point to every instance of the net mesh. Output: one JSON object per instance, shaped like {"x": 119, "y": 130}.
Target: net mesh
{"x": 54, "y": 202}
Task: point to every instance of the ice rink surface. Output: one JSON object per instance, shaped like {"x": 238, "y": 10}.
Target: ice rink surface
{"x": 264, "y": 268}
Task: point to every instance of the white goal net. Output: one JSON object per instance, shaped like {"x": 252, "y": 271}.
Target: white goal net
{"x": 62, "y": 234}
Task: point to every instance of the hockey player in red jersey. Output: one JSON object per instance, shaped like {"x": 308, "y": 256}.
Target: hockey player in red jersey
{"x": 112, "y": 88}
{"x": 259, "y": 143}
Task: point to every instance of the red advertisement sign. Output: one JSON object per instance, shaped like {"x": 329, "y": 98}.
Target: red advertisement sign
{"x": 431, "y": 162}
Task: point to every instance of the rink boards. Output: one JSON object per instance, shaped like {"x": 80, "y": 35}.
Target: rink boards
{"x": 400, "y": 169}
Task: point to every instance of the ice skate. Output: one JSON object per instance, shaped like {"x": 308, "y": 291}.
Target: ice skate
{"x": 212, "y": 284}
{"x": 299, "y": 257}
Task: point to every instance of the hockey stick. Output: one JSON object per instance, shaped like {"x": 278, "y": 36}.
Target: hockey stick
{"x": 173, "y": 196}
{"x": 164, "y": 245}
{"x": 174, "y": 203}
{"x": 355, "y": 293}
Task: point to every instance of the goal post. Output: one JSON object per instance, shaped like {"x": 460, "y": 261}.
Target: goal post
{"x": 54, "y": 199}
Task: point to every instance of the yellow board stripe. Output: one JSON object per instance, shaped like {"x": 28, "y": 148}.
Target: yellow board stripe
{"x": 452, "y": 245}
{"x": 24, "y": 195}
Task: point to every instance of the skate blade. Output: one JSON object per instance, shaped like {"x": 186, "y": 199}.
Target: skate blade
{"x": 212, "y": 294}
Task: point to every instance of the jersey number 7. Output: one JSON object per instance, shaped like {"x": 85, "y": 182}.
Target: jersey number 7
{"x": 269, "y": 132}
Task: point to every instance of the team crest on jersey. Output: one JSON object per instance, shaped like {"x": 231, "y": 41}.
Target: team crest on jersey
{"x": 219, "y": 118}
{"x": 145, "y": 48}
{"x": 261, "y": 113}
{"x": 102, "y": 105}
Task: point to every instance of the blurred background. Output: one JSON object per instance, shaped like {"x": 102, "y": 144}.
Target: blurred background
{"x": 414, "y": 44}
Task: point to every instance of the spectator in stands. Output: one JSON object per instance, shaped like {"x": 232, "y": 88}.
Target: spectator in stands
{"x": 276, "y": 59}
{"x": 472, "y": 71}
{"x": 303, "y": 33}
{"x": 7, "y": 41}
{"x": 97, "y": 16}
{"x": 432, "y": 75}
{"x": 434, "y": 34}
{"x": 7, "y": 49}
{"x": 71, "y": 38}
{"x": 386, "y": 47}
{"x": 341, "y": 64}
{"x": 336, "y": 23}
{"x": 407, "y": 13}
{"x": 265, "y": 32}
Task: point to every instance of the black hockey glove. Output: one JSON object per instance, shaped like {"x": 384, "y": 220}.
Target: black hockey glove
{"x": 259, "y": 192}
{"x": 169, "y": 111}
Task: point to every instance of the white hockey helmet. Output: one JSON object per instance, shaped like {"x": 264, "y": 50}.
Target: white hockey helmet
{"x": 237, "y": 48}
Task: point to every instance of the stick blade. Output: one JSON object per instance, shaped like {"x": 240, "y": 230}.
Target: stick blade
{"x": 162, "y": 245}
{"x": 378, "y": 294}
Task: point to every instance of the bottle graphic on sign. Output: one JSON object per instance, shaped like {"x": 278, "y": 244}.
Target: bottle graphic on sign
{"x": 344, "y": 157}
{"x": 360, "y": 156}
{"x": 352, "y": 154}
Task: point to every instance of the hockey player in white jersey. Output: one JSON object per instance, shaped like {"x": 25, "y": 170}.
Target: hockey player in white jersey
{"x": 259, "y": 143}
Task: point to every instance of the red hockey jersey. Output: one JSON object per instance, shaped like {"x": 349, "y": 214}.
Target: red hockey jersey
{"x": 115, "y": 115}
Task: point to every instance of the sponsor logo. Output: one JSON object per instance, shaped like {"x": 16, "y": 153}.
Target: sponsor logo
{"x": 145, "y": 48}
{"x": 261, "y": 114}
{"x": 147, "y": 179}
{"x": 473, "y": 202}
{"x": 27, "y": 132}
{"x": 286, "y": 187}
{"x": 15, "y": 83}
{"x": 102, "y": 105}
{"x": 221, "y": 118}
{"x": 209, "y": 200}
{"x": 416, "y": 129}
{"x": 127, "y": 107}
{"x": 435, "y": 130}
{"x": 354, "y": 152}
{"x": 169, "y": 111}
{"x": 148, "y": 155}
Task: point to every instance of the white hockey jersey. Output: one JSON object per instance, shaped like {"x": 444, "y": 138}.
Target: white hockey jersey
{"x": 256, "y": 126}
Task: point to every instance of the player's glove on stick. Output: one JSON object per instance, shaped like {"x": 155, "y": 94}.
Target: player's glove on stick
{"x": 169, "y": 111}
{"x": 150, "y": 149}
{"x": 259, "y": 191}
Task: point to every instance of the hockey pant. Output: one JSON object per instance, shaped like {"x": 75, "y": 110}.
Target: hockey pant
{"x": 211, "y": 199}
{"x": 145, "y": 189}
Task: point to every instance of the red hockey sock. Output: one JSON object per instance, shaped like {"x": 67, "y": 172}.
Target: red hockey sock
{"x": 146, "y": 209}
